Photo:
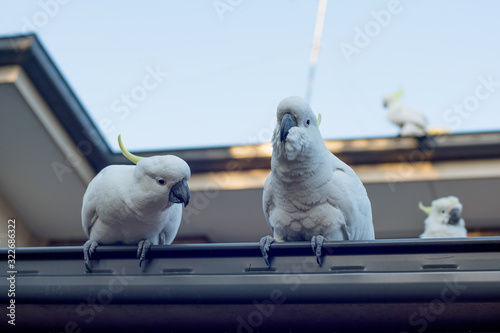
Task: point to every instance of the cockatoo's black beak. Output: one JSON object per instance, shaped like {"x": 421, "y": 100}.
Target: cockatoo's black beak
{"x": 287, "y": 122}
{"x": 454, "y": 217}
{"x": 180, "y": 193}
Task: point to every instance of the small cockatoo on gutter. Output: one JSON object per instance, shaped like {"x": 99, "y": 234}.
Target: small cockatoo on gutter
{"x": 443, "y": 218}
{"x": 135, "y": 204}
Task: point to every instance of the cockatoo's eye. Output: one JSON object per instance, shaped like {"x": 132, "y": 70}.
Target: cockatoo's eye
{"x": 443, "y": 211}
{"x": 308, "y": 122}
{"x": 160, "y": 181}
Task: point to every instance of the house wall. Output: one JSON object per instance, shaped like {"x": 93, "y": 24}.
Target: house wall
{"x": 23, "y": 236}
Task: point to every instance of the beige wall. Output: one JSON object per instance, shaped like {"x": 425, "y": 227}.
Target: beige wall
{"x": 23, "y": 236}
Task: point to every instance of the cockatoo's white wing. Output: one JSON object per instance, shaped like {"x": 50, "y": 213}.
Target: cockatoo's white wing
{"x": 172, "y": 224}
{"x": 267, "y": 199}
{"x": 103, "y": 207}
{"x": 348, "y": 194}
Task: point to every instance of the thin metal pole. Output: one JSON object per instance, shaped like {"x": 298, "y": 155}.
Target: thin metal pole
{"x": 313, "y": 60}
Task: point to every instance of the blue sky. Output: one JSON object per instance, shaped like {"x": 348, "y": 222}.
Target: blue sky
{"x": 183, "y": 74}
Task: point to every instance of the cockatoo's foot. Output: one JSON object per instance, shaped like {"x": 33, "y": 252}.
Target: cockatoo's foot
{"x": 88, "y": 248}
{"x": 426, "y": 143}
{"x": 317, "y": 246}
{"x": 142, "y": 250}
{"x": 265, "y": 243}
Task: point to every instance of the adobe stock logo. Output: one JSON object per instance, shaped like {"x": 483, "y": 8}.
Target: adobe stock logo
{"x": 139, "y": 92}
{"x": 123, "y": 106}
{"x": 222, "y": 7}
{"x": 462, "y": 110}
{"x": 49, "y": 9}
{"x": 372, "y": 29}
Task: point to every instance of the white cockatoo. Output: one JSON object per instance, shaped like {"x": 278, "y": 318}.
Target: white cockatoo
{"x": 310, "y": 195}
{"x": 443, "y": 218}
{"x": 135, "y": 204}
{"x": 411, "y": 122}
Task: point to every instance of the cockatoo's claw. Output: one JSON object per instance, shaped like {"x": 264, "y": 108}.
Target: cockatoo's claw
{"x": 264, "y": 244}
{"x": 88, "y": 249}
{"x": 426, "y": 143}
{"x": 317, "y": 246}
{"x": 142, "y": 250}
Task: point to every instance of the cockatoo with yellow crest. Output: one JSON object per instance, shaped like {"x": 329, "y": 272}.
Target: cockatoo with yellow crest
{"x": 310, "y": 195}
{"x": 444, "y": 219}
{"x": 135, "y": 204}
{"x": 411, "y": 122}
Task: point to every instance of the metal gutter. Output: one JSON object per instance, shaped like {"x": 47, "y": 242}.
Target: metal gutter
{"x": 372, "y": 280}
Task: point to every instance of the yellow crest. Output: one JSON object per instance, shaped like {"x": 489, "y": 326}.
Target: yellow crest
{"x": 425, "y": 209}
{"x": 131, "y": 157}
{"x": 398, "y": 94}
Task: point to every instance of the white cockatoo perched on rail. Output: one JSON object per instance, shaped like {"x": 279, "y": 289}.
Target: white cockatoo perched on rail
{"x": 443, "y": 218}
{"x": 135, "y": 204}
{"x": 310, "y": 195}
{"x": 412, "y": 123}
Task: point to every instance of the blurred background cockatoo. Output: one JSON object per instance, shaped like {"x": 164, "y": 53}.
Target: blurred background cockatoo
{"x": 412, "y": 123}
{"x": 444, "y": 218}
